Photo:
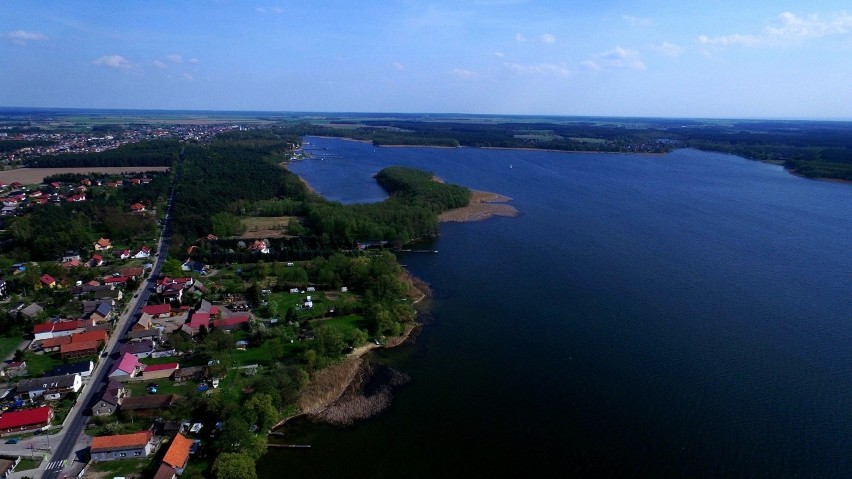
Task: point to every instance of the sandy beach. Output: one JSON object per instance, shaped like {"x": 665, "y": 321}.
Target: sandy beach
{"x": 483, "y": 205}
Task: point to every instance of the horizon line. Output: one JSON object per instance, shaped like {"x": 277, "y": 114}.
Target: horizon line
{"x": 330, "y": 112}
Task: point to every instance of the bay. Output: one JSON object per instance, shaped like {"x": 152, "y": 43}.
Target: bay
{"x": 687, "y": 314}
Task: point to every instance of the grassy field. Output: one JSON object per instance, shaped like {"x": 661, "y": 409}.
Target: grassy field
{"x": 26, "y": 463}
{"x": 265, "y": 227}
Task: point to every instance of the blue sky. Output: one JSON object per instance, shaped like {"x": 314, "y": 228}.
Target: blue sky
{"x": 753, "y": 59}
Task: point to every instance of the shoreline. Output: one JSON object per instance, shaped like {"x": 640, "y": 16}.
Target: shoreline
{"x": 349, "y": 368}
{"x": 483, "y": 205}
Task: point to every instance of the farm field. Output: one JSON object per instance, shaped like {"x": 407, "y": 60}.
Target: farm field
{"x": 29, "y": 176}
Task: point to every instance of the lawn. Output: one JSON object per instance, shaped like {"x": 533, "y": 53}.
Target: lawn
{"x": 26, "y": 464}
{"x": 348, "y": 324}
{"x": 122, "y": 468}
{"x": 8, "y": 345}
{"x": 37, "y": 364}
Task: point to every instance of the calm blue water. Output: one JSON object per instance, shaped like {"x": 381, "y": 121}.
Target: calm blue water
{"x": 679, "y": 315}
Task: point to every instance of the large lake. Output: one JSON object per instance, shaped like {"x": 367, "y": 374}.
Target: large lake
{"x": 686, "y": 315}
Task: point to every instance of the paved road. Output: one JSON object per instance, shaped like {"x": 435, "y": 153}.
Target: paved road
{"x": 71, "y": 441}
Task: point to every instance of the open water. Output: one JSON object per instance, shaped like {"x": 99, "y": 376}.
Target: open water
{"x": 682, "y": 315}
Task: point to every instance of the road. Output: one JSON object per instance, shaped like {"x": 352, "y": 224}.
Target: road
{"x": 71, "y": 441}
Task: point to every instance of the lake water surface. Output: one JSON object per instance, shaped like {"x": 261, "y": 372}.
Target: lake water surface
{"x": 687, "y": 315}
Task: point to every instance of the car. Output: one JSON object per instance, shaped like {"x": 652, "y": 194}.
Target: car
{"x": 14, "y": 440}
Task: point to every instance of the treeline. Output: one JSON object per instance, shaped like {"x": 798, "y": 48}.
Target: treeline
{"x": 143, "y": 153}
{"x": 7, "y": 146}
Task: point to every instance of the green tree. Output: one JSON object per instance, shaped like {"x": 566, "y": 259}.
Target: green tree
{"x": 260, "y": 410}
{"x": 234, "y": 466}
{"x": 172, "y": 267}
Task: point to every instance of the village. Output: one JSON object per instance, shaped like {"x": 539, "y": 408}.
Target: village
{"x": 155, "y": 326}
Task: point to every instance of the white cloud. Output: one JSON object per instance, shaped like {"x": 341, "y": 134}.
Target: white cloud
{"x": 616, "y": 58}
{"x": 260, "y": 10}
{"x": 21, "y": 37}
{"x": 539, "y": 69}
{"x": 786, "y": 27}
{"x": 277, "y": 10}
{"x": 637, "y": 21}
{"x": 174, "y": 58}
{"x": 160, "y": 65}
{"x": 499, "y": 54}
{"x": 188, "y": 77}
{"x": 519, "y": 37}
{"x": 465, "y": 74}
{"x": 548, "y": 38}
{"x": 669, "y": 49}
{"x": 194, "y": 60}
{"x": 398, "y": 66}
{"x": 113, "y": 61}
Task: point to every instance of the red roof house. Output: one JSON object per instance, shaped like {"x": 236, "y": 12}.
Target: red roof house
{"x": 48, "y": 280}
{"x": 157, "y": 310}
{"x": 25, "y": 420}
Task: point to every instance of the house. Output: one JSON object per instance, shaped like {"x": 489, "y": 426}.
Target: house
{"x": 110, "y": 399}
{"x": 48, "y": 281}
{"x": 111, "y": 294}
{"x": 229, "y": 324}
{"x": 76, "y": 198}
{"x": 206, "y": 307}
{"x": 97, "y": 260}
{"x": 32, "y": 310}
{"x": 90, "y": 288}
{"x": 132, "y": 273}
{"x": 25, "y": 420}
{"x": 178, "y": 453}
{"x": 72, "y": 263}
{"x": 143, "y": 252}
{"x": 141, "y": 349}
{"x": 102, "y": 313}
{"x": 157, "y": 310}
{"x": 51, "y": 345}
{"x": 143, "y": 324}
{"x": 159, "y": 371}
{"x": 135, "y": 336}
{"x": 56, "y": 185}
{"x": 196, "y": 321}
{"x": 79, "y": 349}
{"x": 126, "y": 368}
{"x": 123, "y": 254}
{"x": 122, "y": 446}
{"x": 116, "y": 280}
{"x": 83, "y": 368}
{"x": 59, "y": 328}
{"x": 150, "y": 405}
{"x": 259, "y": 246}
{"x": 51, "y": 387}
{"x": 190, "y": 373}
{"x": 103, "y": 244}
{"x": 15, "y": 369}
{"x": 137, "y": 207}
